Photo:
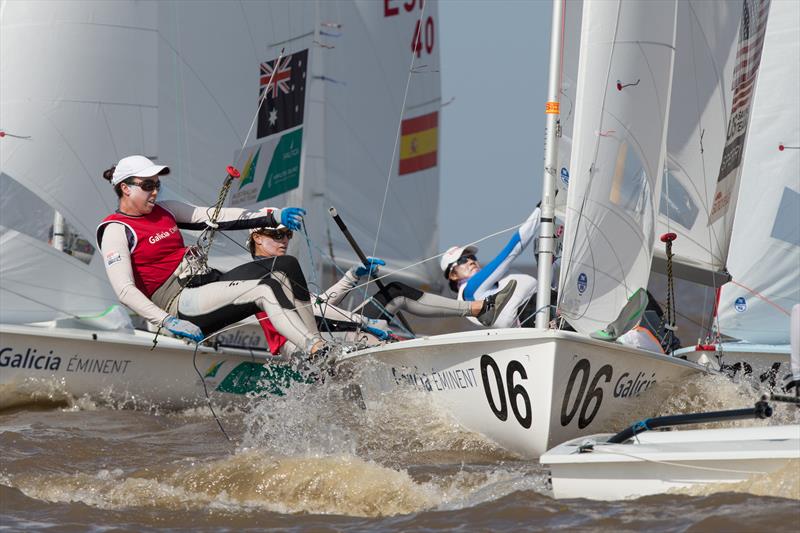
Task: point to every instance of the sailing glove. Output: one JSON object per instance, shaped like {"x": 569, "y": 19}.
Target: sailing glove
{"x": 183, "y": 329}
{"x": 371, "y": 268}
{"x": 292, "y": 217}
{"x": 379, "y": 333}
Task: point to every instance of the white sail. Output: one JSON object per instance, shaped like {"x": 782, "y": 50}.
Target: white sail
{"x": 705, "y": 52}
{"x": 39, "y": 283}
{"x": 764, "y": 257}
{"x": 573, "y": 10}
{"x": 357, "y": 58}
{"x": 180, "y": 82}
{"x": 623, "y": 97}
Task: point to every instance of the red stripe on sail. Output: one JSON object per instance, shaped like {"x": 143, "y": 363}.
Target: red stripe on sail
{"x": 414, "y": 164}
{"x": 417, "y": 124}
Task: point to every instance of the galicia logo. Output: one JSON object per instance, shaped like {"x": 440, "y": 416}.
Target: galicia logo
{"x": 565, "y": 176}
{"x": 583, "y": 282}
{"x": 162, "y": 235}
{"x": 740, "y": 304}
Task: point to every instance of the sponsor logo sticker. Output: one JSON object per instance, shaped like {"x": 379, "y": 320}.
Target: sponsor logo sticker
{"x": 740, "y": 304}
{"x": 583, "y": 282}
{"x": 112, "y": 257}
{"x": 565, "y": 176}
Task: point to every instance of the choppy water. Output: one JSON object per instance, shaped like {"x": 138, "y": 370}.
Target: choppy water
{"x": 314, "y": 460}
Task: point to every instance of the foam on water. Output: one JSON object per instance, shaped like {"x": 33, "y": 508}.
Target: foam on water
{"x": 253, "y": 479}
{"x": 327, "y": 419}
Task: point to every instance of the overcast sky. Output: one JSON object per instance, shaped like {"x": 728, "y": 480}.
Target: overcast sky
{"x": 494, "y": 57}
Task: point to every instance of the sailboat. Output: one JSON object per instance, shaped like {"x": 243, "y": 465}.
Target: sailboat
{"x": 85, "y": 83}
{"x": 528, "y": 389}
{"x": 754, "y": 306}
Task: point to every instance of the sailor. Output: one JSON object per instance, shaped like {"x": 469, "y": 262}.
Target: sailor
{"x": 269, "y": 245}
{"x": 472, "y": 281}
{"x": 166, "y": 282}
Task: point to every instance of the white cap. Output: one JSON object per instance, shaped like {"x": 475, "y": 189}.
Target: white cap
{"x": 280, "y": 227}
{"x": 136, "y": 165}
{"x": 453, "y": 253}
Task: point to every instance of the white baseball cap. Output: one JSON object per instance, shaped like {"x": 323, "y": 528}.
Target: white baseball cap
{"x": 279, "y": 227}
{"x": 452, "y": 255}
{"x": 136, "y": 165}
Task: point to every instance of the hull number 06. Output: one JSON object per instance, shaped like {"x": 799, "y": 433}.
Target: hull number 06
{"x": 515, "y": 392}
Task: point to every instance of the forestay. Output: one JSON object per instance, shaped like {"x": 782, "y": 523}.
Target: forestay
{"x": 764, "y": 258}
{"x": 624, "y": 79}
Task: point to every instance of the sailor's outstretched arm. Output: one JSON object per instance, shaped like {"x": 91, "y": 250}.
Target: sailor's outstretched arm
{"x": 498, "y": 267}
{"x": 194, "y": 217}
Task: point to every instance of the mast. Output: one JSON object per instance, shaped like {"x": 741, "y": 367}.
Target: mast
{"x": 58, "y": 231}
{"x": 548, "y": 208}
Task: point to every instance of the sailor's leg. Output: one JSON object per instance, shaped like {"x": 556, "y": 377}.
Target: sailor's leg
{"x": 217, "y": 305}
{"x": 401, "y": 297}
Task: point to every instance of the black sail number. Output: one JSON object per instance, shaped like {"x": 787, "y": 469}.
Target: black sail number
{"x": 595, "y": 393}
{"x": 515, "y": 391}
{"x": 502, "y": 411}
{"x": 583, "y": 367}
{"x": 582, "y": 400}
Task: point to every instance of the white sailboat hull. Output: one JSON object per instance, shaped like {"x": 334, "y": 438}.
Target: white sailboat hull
{"x": 524, "y": 389}
{"x": 661, "y": 461}
{"x": 46, "y": 364}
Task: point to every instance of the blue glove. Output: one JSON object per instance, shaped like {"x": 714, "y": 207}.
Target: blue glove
{"x": 374, "y": 264}
{"x": 183, "y": 328}
{"x": 381, "y": 334}
{"x": 292, "y": 217}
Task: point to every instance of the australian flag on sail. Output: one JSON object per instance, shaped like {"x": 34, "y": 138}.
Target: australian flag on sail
{"x": 285, "y": 101}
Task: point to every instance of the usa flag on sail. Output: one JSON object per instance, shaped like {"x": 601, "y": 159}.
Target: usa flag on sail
{"x": 285, "y": 102}
{"x": 748, "y": 58}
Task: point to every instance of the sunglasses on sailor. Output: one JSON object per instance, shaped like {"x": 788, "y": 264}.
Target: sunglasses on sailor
{"x": 278, "y": 235}
{"x": 463, "y": 260}
{"x": 147, "y": 185}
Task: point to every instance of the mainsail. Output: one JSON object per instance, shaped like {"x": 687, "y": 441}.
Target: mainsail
{"x": 180, "y": 82}
{"x": 623, "y": 98}
{"x": 764, "y": 257}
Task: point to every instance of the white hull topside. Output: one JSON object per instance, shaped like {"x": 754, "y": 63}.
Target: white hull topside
{"x": 657, "y": 462}
{"x": 40, "y": 364}
{"x": 524, "y": 389}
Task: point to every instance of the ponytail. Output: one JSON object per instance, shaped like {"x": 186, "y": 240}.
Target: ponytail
{"x": 108, "y": 174}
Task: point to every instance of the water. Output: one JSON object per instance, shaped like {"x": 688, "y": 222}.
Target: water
{"x": 312, "y": 459}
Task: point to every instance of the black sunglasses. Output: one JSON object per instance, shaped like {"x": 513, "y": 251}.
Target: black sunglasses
{"x": 279, "y": 235}
{"x": 147, "y": 185}
{"x": 460, "y": 261}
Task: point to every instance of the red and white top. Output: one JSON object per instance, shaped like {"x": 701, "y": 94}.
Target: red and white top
{"x": 157, "y": 249}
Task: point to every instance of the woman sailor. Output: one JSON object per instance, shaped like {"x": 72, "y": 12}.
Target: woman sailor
{"x": 271, "y": 244}
{"x": 472, "y": 281}
{"x": 156, "y": 275}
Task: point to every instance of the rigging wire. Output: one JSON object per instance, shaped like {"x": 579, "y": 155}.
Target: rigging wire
{"x": 396, "y": 141}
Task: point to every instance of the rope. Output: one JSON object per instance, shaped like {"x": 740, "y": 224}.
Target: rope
{"x": 670, "y": 463}
{"x": 668, "y": 318}
{"x": 396, "y": 140}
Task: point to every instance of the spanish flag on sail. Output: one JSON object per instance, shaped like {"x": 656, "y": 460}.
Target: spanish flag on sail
{"x": 419, "y": 143}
